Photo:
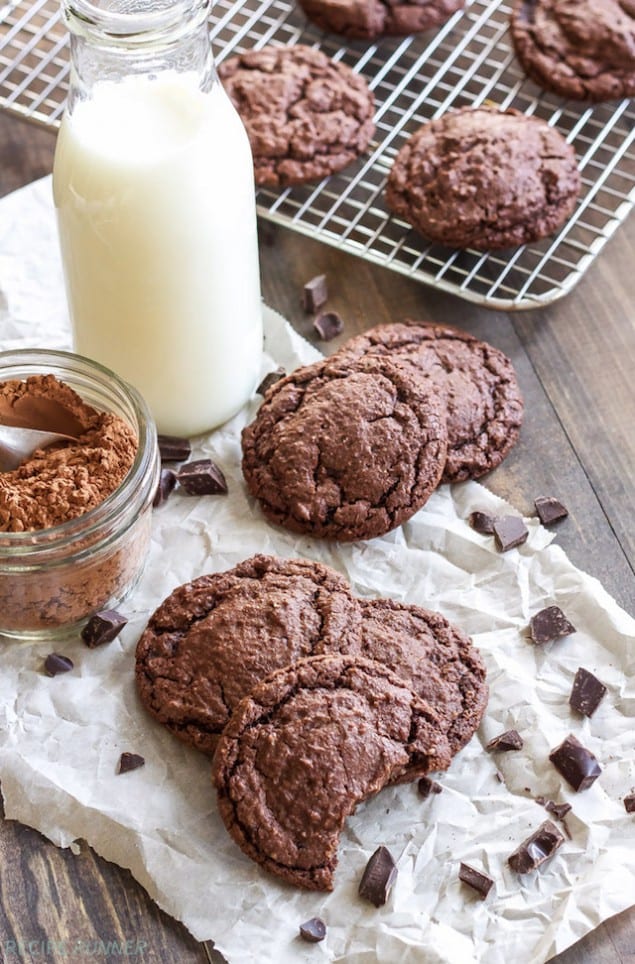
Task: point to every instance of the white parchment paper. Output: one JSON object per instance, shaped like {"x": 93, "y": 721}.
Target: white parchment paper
{"x": 61, "y": 738}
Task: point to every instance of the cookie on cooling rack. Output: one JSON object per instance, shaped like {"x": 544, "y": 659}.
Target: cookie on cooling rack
{"x": 484, "y": 178}
{"x": 582, "y": 49}
{"x": 306, "y": 116}
{"x": 483, "y": 401}
{"x": 367, "y": 19}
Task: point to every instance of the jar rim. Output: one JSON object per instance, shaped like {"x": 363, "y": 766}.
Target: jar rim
{"x": 130, "y": 21}
{"x": 85, "y": 525}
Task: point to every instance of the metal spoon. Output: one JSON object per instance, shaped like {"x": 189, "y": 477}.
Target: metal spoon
{"x": 16, "y": 444}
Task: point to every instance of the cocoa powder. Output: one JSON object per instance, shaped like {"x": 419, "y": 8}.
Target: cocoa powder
{"x": 66, "y": 479}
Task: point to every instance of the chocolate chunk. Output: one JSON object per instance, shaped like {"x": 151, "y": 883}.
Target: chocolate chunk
{"x": 509, "y": 531}
{"x": 509, "y": 740}
{"x": 577, "y": 765}
{"x": 313, "y": 930}
{"x": 481, "y": 883}
{"x": 173, "y": 448}
{"x": 379, "y": 875}
{"x": 315, "y": 293}
{"x": 629, "y": 803}
{"x": 270, "y": 379}
{"x": 167, "y": 481}
{"x": 202, "y": 477}
{"x": 483, "y": 523}
{"x": 549, "y": 624}
{"x": 55, "y": 663}
{"x": 426, "y": 786}
{"x": 536, "y": 849}
{"x": 549, "y": 510}
{"x": 328, "y": 325}
{"x": 130, "y": 761}
{"x": 103, "y": 627}
{"x": 586, "y": 693}
{"x": 559, "y": 810}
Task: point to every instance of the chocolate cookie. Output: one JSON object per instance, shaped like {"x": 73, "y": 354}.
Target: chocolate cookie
{"x": 307, "y": 116}
{"x": 375, "y": 18}
{"x": 308, "y": 745}
{"x": 484, "y": 178}
{"x": 345, "y": 451}
{"x": 212, "y": 639}
{"x": 483, "y": 400}
{"x": 582, "y": 49}
{"x": 436, "y": 659}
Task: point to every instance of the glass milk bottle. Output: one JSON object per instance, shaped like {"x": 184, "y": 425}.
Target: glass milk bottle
{"x": 154, "y": 191}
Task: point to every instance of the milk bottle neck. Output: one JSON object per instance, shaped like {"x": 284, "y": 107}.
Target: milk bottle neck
{"x": 114, "y": 39}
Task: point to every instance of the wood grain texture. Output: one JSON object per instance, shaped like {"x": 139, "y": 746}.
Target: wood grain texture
{"x": 575, "y": 361}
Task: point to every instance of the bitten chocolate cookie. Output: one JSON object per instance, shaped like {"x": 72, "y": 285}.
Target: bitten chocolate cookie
{"x": 212, "y": 639}
{"x": 582, "y": 49}
{"x": 345, "y": 450}
{"x": 374, "y": 18}
{"x": 306, "y": 747}
{"x": 484, "y": 403}
{"x": 484, "y": 178}
{"x": 436, "y": 659}
{"x": 307, "y": 116}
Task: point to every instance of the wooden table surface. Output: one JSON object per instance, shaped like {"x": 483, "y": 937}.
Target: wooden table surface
{"x": 576, "y": 365}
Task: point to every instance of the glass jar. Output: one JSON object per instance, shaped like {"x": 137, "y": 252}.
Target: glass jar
{"x": 52, "y": 580}
{"x": 154, "y": 191}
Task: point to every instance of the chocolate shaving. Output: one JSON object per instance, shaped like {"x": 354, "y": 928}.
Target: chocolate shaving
{"x": 55, "y": 663}
{"x": 328, "y": 325}
{"x": 167, "y": 481}
{"x": 315, "y": 293}
{"x": 426, "y": 786}
{"x": 586, "y": 693}
{"x": 533, "y": 851}
{"x": 313, "y": 930}
{"x": 130, "y": 761}
{"x": 478, "y": 881}
{"x": 379, "y": 875}
{"x": 549, "y": 624}
{"x": 103, "y": 627}
{"x": 270, "y": 379}
{"x": 629, "y": 803}
{"x": 509, "y": 740}
{"x": 575, "y": 763}
{"x": 549, "y": 510}
{"x": 509, "y": 531}
{"x": 202, "y": 477}
{"x": 559, "y": 810}
{"x": 483, "y": 523}
{"x": 174, "y": 448}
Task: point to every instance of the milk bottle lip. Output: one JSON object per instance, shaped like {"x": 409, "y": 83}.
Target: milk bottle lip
{"x": 134, "y": 22}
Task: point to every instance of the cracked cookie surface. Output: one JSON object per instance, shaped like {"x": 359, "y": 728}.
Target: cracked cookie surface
{"x": 484, "y": 404}
{"x": 308, "y": 745}
{"x": 212, "y": 639}
{"x": 484, "y": 178}
{"x": 582, "y": 49}
{"x": 306, "y": 116}
{"x": 345, "y": 451}
{"x": 367, "y": 19}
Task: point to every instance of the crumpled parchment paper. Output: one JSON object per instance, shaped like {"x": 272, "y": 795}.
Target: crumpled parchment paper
{"x": 61, "y": 738}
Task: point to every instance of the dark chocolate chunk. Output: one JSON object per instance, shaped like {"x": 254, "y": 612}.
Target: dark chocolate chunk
{"x": 559, "y": 810}
{"x": 173, "y": 448}
{"x": 426, "y": 786}
{"x": 379, "y": 875}
{"x": 549, "y": 624}
{"x": 586, "y": 693}
{"x": 270, "y": 379}
{"x": 130, "y": 761}
{"x": 167, "y": 481}
{"x": 483, "y": 523}
{"x": 315, "y": 293}
{"x": 202, "y": 477}
{"x": 509, "y": 740}
{"x": 103, "y": 627}
{"x": 481, "y": 883}
{"x": 577, "y": 765}
{"x": 55, "y": 663}
{"x": 509, "y": 531}
{"x": 536, "y": 849}
{"x": 629, "y": 803}
{"x": 313, "y": 930}
{"x": 549, "y": 510}
{"x": 328, "y": 325}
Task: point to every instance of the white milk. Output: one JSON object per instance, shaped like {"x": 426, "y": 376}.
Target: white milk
{"x": 153, "y": 184}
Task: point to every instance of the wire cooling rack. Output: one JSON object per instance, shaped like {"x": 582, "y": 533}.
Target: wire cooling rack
{"x": 468, "y": 61}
